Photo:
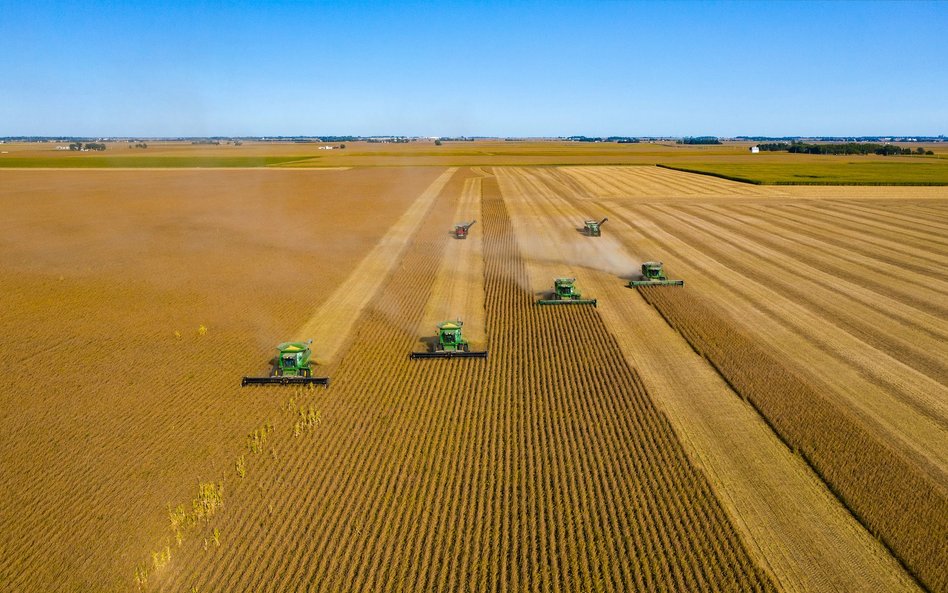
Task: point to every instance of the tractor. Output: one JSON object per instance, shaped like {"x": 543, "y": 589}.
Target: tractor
{"x": 565, "y": 293}
{"x": 460, "y": 230}
{"x": 592, "y": 228}
{"x": 291, "y": 367}
{"x": 654, "y": 275}
{"x": 451, "y": 344}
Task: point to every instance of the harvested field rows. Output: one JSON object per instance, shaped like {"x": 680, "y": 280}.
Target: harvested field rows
{"x": 912, "y": 337}
{"x": 654, "y": 182}
{"x": 880, "y": 352}
{"x": 777, "y": 424}
{"x": 894, "y": 497}
{"x": 900, "y": 399}
{"x": 458, "y": 291}
{"x": 861, "y": 242}
{"x": 540, "y": 468}
{"x": 764, "y": 483}
{"x": 914, "y": 288}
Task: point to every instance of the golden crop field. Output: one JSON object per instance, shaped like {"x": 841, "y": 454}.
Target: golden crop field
{"x": 776, "y": 424}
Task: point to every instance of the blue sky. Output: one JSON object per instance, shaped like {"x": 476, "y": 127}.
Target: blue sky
{"x": 513, "y": 68}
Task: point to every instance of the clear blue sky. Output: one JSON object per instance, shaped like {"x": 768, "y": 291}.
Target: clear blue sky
{"x": 515, "y": 68}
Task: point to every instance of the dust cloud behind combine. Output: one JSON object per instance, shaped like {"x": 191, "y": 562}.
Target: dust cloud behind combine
{"x": 331, "y": 324}
{"x": 549, "y": 234}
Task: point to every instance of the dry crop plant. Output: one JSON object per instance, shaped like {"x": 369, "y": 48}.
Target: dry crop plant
{"x": 887, "y": 492}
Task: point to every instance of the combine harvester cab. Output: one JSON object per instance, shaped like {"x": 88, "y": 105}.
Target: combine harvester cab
{"x": 451, "y": 344}
{"x": 565, "y": 293}
{"x": 461, "y": 230}
{"x": 292, "y": 367}
{"x": 593, "y": 228}
{"x": 654, "y": 275}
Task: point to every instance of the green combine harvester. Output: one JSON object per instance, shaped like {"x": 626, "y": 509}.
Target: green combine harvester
{"x": 451, "y": 344}
{"x": 564, "y": 293}
{"x": 591, "y": 228}
{"x": 291, "y": 367}
{"x": 654, "y": 275}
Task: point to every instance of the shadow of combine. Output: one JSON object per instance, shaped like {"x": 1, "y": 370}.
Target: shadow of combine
{"x": 430, "y": 343}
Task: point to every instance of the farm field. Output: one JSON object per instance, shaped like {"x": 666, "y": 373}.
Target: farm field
{"x": 113, "y": 403}
{"x": 730, "y": 159}
{"x": 777, "y": 424}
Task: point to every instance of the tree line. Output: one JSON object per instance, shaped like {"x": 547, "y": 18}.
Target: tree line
{"x": 87, "y": 146}
{"x": 842, "y": 148}
{"x": 699, "y": 140}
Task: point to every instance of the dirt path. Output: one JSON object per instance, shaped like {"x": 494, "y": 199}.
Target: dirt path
{"x": 458, "y": 291}
{"x": 796, "y": 527}
{"x": 331, "y": 324}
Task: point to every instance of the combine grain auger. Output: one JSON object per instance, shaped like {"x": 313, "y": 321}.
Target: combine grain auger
{"x": 460, "y": 230}
{"x": 654, "y": 275}
{"x": 565, "y": 293}
{"x": 592, "y": 228}
{"x": 292, "y": 367}
{"x": 450, "y": 344}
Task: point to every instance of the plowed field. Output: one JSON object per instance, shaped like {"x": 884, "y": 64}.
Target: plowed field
{"x": 778, "y": 424}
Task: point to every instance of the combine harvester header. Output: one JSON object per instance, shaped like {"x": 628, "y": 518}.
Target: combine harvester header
{"x": 451, "y": 344}
{"x": 565, "y": 293}
{"x": 292, "y": 367}
{"x": 654, "y": 275}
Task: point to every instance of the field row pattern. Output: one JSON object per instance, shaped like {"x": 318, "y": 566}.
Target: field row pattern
{"x": 890, "y": 495}
{"x": 544, "y": 468}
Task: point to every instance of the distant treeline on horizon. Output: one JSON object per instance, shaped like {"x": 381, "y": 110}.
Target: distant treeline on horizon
{"x": 904, "y": 138}
{"x": 844, "y": 148}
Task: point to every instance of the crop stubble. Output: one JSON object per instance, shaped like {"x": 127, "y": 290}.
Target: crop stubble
{"x": 891, "y": 495}
{"x": 888, "y": 379}
{"x": 458, "y": 291}
{"x": 897, "y": 397}
{"x": 767, "y": 488}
